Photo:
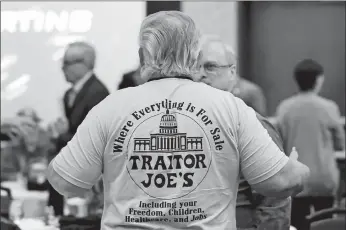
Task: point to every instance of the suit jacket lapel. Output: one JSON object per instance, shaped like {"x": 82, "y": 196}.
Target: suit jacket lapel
{"x": 66, "y": 107}
{"x": 82, "y": 92}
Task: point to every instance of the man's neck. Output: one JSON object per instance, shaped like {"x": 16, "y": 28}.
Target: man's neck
{"x": 313, "y": 91}
{"x": 176, "y": 77}
{"x": 78, "y": 85}
{"x": 234, "y": 88}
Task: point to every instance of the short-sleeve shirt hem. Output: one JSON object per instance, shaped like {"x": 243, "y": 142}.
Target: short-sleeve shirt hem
{"x": 70, "y": 178}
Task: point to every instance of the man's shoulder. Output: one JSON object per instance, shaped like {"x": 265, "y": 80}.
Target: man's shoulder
{"x": 128, "y": 96}
{"x": 247, "y": 83}
{"x": 98, "y": 85}
{"x": 218, "y": 97}
{"x": 195, "y": 91}
{"x": 286, "y": 104}
{"x": 204, "y": 88}
{"x": 251, "y": 87}
{"x": 327, "y": 103}
{"x": 272, "y": 131}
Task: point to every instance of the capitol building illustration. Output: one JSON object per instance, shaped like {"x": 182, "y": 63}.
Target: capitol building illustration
{"x": 168, "y": 139}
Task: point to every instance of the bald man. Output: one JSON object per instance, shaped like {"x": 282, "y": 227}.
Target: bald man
{"x": 86, "y": 92}
{"x": 254, "y": 211}
{"x": 242, "y": 88}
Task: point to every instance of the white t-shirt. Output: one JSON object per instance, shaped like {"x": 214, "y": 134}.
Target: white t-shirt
{"x": 170, "y": 152}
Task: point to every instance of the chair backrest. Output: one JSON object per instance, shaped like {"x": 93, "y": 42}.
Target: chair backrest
{"x": 7, "y": 224}
{"x": 78, "y": 227}
{"x": 329, "y": 224}
{"x": 10, "y": 147}
{"x": 74, "y": 223}
{"x": 6, "y": 199}
{"x": 321, "y": 221}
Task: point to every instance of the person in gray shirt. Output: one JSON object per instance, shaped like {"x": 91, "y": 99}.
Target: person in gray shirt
{"x": 311, "y": 124}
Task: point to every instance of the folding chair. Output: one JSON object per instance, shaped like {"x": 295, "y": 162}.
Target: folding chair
{"x": 6, "y": 199}
{"x": 318, "y": 220}
{"x": 7, "y": 224}
{"x": 73, "y": 223}
{"x": 79, "y": 227}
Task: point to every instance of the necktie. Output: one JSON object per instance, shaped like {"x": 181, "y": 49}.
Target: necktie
{"x": 71, "y": 97}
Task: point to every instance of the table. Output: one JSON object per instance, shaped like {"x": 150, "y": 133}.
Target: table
{"x": 31, "y": 203}
{"x": 33, "y": 224}
{"x": 340, "y": 155}
{"x": 340, "y": 159}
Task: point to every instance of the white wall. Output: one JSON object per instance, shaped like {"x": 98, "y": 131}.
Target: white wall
{"x": 30, "y": 68}
{"x": 215, "y": 18}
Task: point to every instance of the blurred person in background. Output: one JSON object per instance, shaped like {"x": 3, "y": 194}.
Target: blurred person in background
{"x": 39, "y": 147}
{"x": 254, "y": 211}
{"x": 33, "y": 143}
{"x": 131, "y": 79}
{"x": 11, "y": 162}
{"x": 107, "y": 143}
{"x": 251, "y": 94}
{"x": 86, "y": 92}
{"x": 311, "y": 124}
{"x": 36, "y": 139}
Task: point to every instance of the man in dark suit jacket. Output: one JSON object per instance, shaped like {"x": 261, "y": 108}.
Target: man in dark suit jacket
{"x": 128, "y": 80}
{"x": 86, "y": 92}
{"x": 131, "y": 79}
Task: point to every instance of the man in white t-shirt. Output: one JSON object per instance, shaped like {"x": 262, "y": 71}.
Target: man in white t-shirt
{"x": 171, "y": 150}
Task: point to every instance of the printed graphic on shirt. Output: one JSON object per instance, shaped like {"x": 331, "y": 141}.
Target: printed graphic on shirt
{"x": 169, "y": 155}
{"x": 169, "y": 147}
{"x": 166, "y": 211}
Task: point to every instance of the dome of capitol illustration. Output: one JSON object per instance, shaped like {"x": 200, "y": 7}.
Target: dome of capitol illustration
{"x": 168, "y": 121}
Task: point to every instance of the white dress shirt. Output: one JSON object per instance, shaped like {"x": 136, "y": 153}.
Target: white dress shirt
{"x": 77, "y": 87}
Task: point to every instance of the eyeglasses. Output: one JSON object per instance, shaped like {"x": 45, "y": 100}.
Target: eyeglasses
{"x": 68, "y": 63}
{"x": 213, "y": 67}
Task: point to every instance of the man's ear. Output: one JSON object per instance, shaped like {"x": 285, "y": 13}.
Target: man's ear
{"x": 319, "y": 83}
{"x": 234, "y": 70}
{"x": 141, "y": 56}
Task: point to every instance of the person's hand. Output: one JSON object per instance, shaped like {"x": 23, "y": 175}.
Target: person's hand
{"x": 294, "y": 154}
{"x": 60, "y": 126}
{"x": 50, "y": 131}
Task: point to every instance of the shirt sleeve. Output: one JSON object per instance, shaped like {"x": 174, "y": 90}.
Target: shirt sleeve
{"x": 338, "y": 132}
{"x": 260, "y": 157}
{"x": 259, "y": 101}
{"x": 80, "y": 162}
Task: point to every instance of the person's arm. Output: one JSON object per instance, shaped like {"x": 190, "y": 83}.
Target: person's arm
{"x": 338, "y": 132}
{"x": 62, "y": 140}
{"x": 258, "y": 101}
{"x": 272, "y": 131}
{"x": 79, "y": 164}
{"x": 280, "y": 124}
{"x": 267, "y": 169}
{"x": 60, "y": 133}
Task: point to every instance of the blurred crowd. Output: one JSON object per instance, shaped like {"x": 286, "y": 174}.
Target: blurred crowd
{"x": 27, "y": 148}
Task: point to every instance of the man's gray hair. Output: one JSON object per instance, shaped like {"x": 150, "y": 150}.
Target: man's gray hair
{"x": 169, "y": 43}
{"x": 232, "y": 57}
{"x": 231, "y": 54}
{"x": 89, "y": 54}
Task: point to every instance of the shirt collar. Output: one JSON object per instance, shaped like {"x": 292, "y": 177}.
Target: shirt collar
{"x": 80, "y": 83}
{"x": 176, "y": 77}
